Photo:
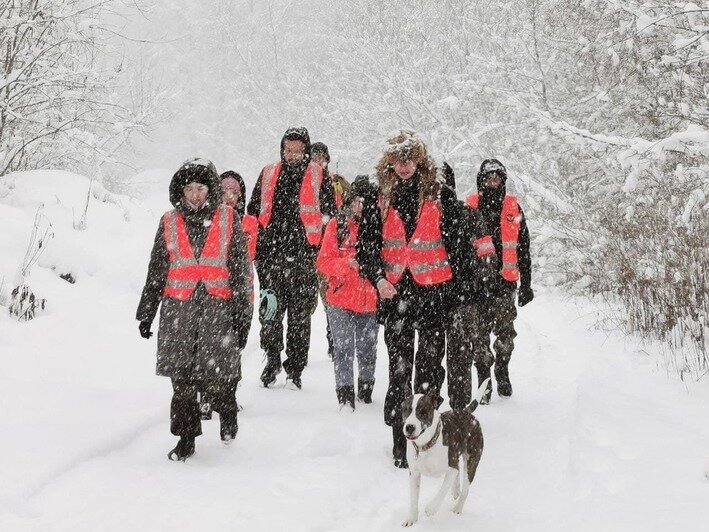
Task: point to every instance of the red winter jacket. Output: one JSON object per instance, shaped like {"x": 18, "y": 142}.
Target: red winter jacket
{"x": 345, "y": 288}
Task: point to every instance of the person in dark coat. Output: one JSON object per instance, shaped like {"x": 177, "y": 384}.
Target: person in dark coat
{"x": 495, "y": 314}
{"x": 233, "y": 194}
{"x": 409, "y": 248}
{"x": 291, "y": 200}
{"x": 198, "y": 276}
{"x": 473, "y": 275}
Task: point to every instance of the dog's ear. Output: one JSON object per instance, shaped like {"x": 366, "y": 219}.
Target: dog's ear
{"x": 432, "y": 397}
{"x": 407, "y": 405}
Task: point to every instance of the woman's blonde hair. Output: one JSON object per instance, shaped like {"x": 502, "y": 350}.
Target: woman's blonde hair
{"x": 405, "y": 146}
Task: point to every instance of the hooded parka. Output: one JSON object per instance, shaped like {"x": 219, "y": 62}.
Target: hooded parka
{"x": 196, "y": 337}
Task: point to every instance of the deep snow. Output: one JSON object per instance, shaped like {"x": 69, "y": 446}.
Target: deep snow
{"x": 595, "y": 436}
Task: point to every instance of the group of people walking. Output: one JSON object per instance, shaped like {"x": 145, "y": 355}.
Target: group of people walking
{"x": 397, "y": 249}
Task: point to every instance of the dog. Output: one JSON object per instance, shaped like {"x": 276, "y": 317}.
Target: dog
{"x": 437, "y": 446}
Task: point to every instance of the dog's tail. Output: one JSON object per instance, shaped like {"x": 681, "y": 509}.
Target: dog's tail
{"x": 481, "y": 391}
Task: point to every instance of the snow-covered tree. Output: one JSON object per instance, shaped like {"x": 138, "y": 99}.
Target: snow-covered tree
{"x": 60, "y": 105}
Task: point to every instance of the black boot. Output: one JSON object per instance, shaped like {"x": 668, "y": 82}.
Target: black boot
{"x": 183, "y": 450}
{"x": 295, "y": 381}
{"x": 346, "y": 397}
{"x": 228, "y": 428}
{"x": 502, "y": 374}
{"x": 273, "y": 368}
{"x": 484, "y": 373}
{"x": 399, "y": 450}
{"x": 364, "y": 391}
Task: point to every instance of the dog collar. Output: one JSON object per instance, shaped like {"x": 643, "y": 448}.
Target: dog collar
{"x": 431, "y": 443}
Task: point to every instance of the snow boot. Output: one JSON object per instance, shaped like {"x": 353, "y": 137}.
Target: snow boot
{"x": 346, "y": 397}
{"x": 183, "y": 450}
{"x": 364, "y": 391}
{"x": 502, "y": 374}
{"x": 228, "y": 428}
{"x": 399, "y": 450}
{"x": 293, "y": 382}
{"x": 484, "y": 373}
{"x": 273, "y": 368}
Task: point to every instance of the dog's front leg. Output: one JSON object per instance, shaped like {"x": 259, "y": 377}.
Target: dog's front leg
{"x": 435, "y": 504}
{"x": 414, "y": 488}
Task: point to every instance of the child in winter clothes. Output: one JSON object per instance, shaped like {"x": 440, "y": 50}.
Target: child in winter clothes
{"x": 351, "y": 300}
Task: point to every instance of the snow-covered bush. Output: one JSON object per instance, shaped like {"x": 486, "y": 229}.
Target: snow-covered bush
{"x": 59, "y": 106}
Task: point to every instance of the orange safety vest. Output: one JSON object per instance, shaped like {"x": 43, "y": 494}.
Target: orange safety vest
{"x": 424, "y": 255}
{"x": 250, "y": 225}
{"x": 309, "y": 199}
{"x": 510, "y": 220}
{"x": 185, "y": 271}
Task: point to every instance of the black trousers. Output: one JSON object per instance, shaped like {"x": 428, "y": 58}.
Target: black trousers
{"x": 399, "y": 336}
{"x": 185, "y": 419}
{"x": 291, "y": 290}
{"x": 463, "y": 332}
{"x": 495, "y": 315}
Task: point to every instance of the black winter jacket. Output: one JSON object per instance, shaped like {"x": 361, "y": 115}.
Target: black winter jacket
{"x": 199, "y": 338}
{"x": 490, "y": 206}
{"x": 284, "y": 240}
{"x": 430, "y": 306}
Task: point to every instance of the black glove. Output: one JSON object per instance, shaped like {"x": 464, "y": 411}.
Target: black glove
{"x": 144, "y": 328}
{"x": 526, "y": 294}
{"x": 240, "y": 331}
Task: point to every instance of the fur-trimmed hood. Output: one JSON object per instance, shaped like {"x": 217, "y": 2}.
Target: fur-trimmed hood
{"x": 405, "y": 145}
{"x": 196, "y": 170}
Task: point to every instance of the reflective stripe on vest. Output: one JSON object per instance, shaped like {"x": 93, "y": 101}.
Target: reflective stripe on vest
{"x": 425, "y": 255}
{"x": 309, "y": 197}
{"x": 484, "y": 246}
{"x": 185, "y": 271}
{"x": 510, "y": 220}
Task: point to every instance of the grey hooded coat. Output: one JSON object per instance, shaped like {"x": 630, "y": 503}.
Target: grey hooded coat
{"x": 198, "y": 338}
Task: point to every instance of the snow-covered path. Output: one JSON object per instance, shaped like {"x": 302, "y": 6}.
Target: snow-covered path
{"x": 595, "y": 437}
{"x": 591, "y": 439}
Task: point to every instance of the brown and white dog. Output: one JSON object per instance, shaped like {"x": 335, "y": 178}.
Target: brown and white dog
{"x": 438, "y": 444}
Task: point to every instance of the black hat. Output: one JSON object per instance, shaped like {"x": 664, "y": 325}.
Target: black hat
{"x": 320, "y": 148}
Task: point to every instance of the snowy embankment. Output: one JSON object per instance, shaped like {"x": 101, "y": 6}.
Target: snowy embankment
{"x": 595, "y": 437}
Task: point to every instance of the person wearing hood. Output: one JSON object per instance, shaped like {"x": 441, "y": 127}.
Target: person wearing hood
{"x": 495, "y": 314}
{"x": 351, "y": 299}
{"x": 409, "y": 247}
{"x": 473, "y": 277}
{"x": 233, "y": 194}
{"x": 198, "y": 276}
{"x": 292, "y": 201}
{"x": 234, "y": 191}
